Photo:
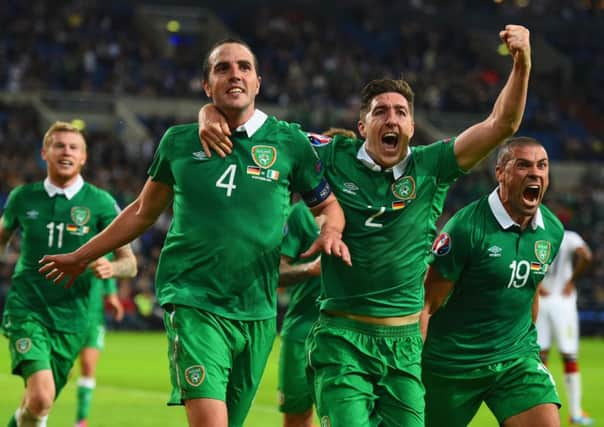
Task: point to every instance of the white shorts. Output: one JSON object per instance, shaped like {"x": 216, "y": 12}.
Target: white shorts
{"x": 558, "y": 321}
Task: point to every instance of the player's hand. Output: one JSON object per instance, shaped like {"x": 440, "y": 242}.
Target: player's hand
{"x": 330, "y": 242}
{"x": 517, "y": 40}
{"x": 102, "y": 268}
{"x": 214, "y": 131}
{"x": 59, "y": 267}
{"x": 115, "y": 306}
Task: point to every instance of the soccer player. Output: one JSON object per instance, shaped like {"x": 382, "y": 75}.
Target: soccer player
{"x": 558, "y": 318}
{"x": 46, "y": 325}
{"x": 364, "y": 351}
{"x": 218, "y": 271}
{"x": 489, "y": 259}
{"x": 303, "y": 275}
{"x": 102, "y": 291}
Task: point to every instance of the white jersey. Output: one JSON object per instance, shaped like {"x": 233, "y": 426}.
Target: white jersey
{"x": 561, "y": 269}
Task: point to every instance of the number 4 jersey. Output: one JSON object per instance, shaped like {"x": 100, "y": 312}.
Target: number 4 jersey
{"x": 52, "y": 225}
{"x": 496, "y": 268}
{"x": 222, "y": 250}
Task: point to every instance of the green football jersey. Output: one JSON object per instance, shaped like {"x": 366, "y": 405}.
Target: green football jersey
{"x": 496, "y": 269}
{"x": 221, "y": 253}
{"x": 303, "y": 308}
{"x": 389, "y": 227}
{"x": 52, "y": 225}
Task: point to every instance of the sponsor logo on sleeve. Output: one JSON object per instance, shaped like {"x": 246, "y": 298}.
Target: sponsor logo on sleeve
{"x": 318, "y": 140}
{"x": 23, "y": 345}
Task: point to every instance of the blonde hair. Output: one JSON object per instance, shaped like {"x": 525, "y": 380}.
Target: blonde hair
{"x": 340, "y": 131}
{"x": 60, "y": 126}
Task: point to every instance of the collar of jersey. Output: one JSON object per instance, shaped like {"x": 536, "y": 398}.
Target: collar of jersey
{"x": 69, "y": 192}
{"x": 397, "y": 170}
{"x": 504, "y": 219}
{"x": 253, "y": 124}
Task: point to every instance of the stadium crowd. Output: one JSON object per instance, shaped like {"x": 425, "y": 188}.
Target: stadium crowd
{"x": 100, "y": 47}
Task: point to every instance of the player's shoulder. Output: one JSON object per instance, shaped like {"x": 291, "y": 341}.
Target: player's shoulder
{"x": 551, "y": 222}
{"x": 276, "y": 125}
{"x": 97, "y": 193}
{"x": 181, "y": 130}
{"x": 27, "y": 190}
{"x": 433, "y": 147}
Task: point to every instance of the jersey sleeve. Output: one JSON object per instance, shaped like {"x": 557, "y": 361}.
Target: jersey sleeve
{"x": 441, "y": 156}
{"x": 451, "y": 249}
{"x": 575, "y": 241}
{"x": 307, "y": 173}
{"x": 109, "y": 287}
{"x": 110, "y": 211}
{"x": 160, "y": 169}
{"x": 9, "y": 212}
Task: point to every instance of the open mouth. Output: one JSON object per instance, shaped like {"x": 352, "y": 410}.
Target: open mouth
{"x": 531, "y": 193}
{"x": 390, "y": 140}
{"x": 65, "y": 162}
{"x": 235, "y": 91}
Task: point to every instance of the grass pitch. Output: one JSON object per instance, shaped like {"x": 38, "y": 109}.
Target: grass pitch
{"x": 133, "y": 386}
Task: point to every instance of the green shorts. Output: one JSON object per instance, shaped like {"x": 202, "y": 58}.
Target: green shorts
{"x": 34, "y": 347}
{"x": 294, "y": 391}
{"x": 217, "y": 358}
{"x": 95, "y": 337}
{"x": 507, "y": 388}
{"x": 366, "y": 375}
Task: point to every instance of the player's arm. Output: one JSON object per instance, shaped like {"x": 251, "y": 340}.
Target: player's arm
{"x": 437, "y": 289}
{"x": 214, "y": 131}
{"x": 5, "y": 236}
{"x": 292, "y": 274}
{"x": 127, "y": 226}
{"x": 330, "y": 238}
{"x": 122, "y": 266}
{"x": 476, "y": 142}
{"x": 582, "y": 260}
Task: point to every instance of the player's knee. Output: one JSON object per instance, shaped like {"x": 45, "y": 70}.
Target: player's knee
{"x": 39, "y": 403}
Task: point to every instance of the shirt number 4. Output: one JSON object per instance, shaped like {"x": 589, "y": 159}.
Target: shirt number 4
{"x": 227, "y": 180}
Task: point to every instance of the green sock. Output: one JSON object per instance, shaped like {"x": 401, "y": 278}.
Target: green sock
{"x": 85, "y": 390}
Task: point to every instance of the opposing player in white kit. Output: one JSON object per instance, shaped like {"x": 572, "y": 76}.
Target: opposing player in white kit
{"x": 558, "y": 319}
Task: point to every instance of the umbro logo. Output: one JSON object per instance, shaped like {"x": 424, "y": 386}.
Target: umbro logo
{"x": 200, "y": 155}
{"x": 350, "y": 188}
{"x": 494, "y": 251}
{"x": 32, "y": 214}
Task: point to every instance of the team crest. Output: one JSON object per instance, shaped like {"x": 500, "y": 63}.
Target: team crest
{"x": 195, "y": 375}
{"x": 543, "y": 248}
{"x": 404, "y": 188}
{"x": 23, "y": 345}
{"x": 325, "y": 421}
{"x": 80, "y": 215}
{"x": 442, "y": 245}
{"x": 264, "y": 155}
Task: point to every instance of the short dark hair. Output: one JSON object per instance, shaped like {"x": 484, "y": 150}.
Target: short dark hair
{"x": 505, "y": 154}
{"x": 205, "y": 69}
{"x": 379, "y": 86}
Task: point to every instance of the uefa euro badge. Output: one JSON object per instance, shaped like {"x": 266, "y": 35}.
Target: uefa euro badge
{"x": 404, "y": 188}
{"x": 80, "y": 215}
{"x": 543, "y": 249}
{"x": 23, "y": 345}
{"x": 195, "y": 375}
{"x": 264, "y": 155}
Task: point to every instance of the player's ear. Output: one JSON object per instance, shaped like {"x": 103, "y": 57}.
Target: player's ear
{"x": 361, "y": 127}
{"x": 258, "y": 85}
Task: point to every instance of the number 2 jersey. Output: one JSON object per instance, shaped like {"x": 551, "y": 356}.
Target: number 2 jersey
{"x": 53, "y": 225}
{"x": 390, "y": 224}
{"x": 496, "y": 269}
{"x": 221, "y": 253}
